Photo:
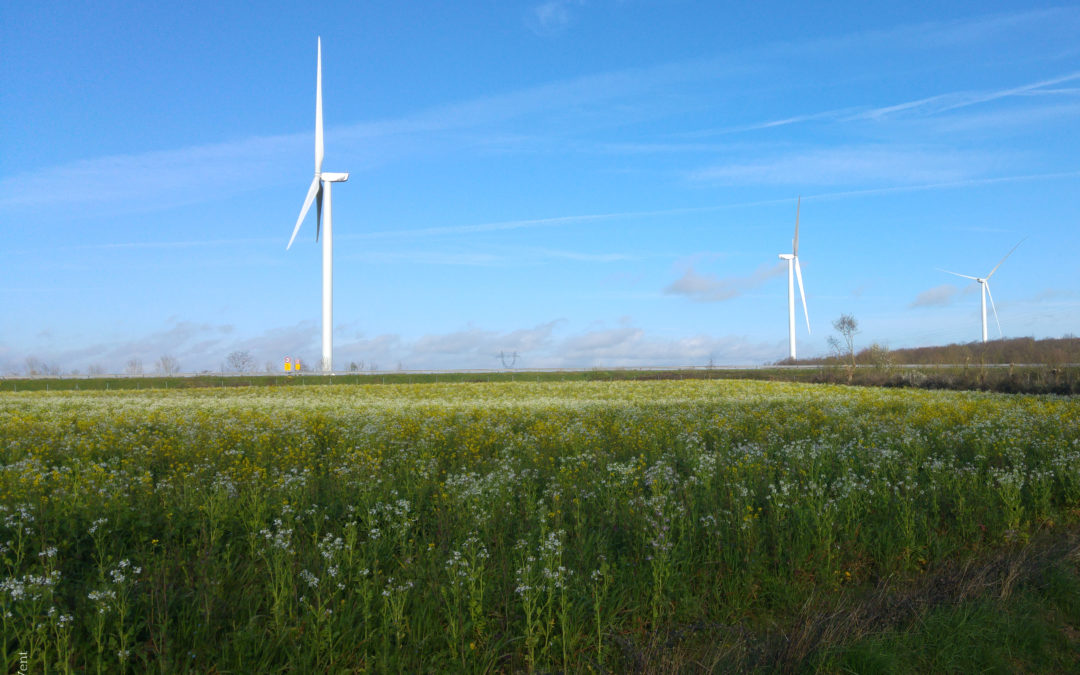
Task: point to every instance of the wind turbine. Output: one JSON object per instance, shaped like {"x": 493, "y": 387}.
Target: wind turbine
{"x": 320, "y": 184}
{"x": 984, "y": 285}
{"x": 794, "y": 271}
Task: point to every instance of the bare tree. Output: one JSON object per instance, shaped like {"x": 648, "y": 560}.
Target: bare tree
{"x": 95, "y": 369}
{"x": 240, "y": 361}
{"x": 133, "y": 367}
{"x": 167, "y": 365}
{"x": 355, "y": 367}
{"x": 848, "y": 328}
{"x": 34, "y": 366}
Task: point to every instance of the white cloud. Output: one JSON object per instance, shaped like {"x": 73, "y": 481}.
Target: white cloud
{"x": 554, "y": 344}
{"x": 938, "y": 296}
{"x": 195, "y": 345}
{"x": 709, "y": 288}
{"x": 629, "y": 346}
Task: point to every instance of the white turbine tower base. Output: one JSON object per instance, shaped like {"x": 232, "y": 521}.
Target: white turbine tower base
{"x": 984, "y": 287}
{"x": 794, "y": 272}
{"x": 320, "y": 184}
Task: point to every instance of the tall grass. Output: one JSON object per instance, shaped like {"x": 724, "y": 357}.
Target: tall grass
{"x": 477, "y": 527}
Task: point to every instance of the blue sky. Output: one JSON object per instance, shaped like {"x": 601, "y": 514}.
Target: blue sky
{"x": 586, "y": 183}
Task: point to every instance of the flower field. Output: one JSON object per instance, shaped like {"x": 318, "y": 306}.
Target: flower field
{"x": 488, "y": 527}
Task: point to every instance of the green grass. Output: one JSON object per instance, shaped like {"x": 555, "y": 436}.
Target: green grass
{"x": 1034, "y": 629}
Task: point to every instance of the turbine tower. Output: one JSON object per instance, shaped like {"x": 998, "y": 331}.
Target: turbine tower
{"x": 984, "y": 286}
{"x": 320, "y": 184}
{"x": 794, "y": 271}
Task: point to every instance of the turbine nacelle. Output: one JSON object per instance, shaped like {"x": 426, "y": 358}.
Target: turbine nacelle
{"x": 786, "y": 256}
{"x": 335, "y": 177}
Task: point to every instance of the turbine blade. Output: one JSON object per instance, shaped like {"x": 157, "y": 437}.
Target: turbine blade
{"x": 1003, "y": 259}
{"x": 957, "y": 274}
{"x": 318, "y": 113}
{"x": 795, "y": 241}
{"x": 315, "y": 188}
{"x": 802, "y": 293}
{"x": 318, "y": 213}
{"x": 991, "y": 295}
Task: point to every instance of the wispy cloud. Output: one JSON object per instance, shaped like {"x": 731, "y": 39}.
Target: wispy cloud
{"x": 452, "y": 258}
{"x": 580, "y": 256}
{"x": 158, "y": 180}
{"x": 497, "y": 257}
{"x": 955, "y": 100}
{"x": 560, "y": 221}
{"x": 992, "y": 121}
{"x": 852, "y": 165}
{"x": 924, "y": 107}
{"x": 938, "y": 296}
{"x": 965, "y": 33}
{"x": 824, "y": 115}
{"x": 153, "y": 180}
{"x": 205, "y": 243}
{"x": 1025, "y": 89}
{"x": 1054, "y": 294}
{"x": 946, "y": 185}
{"x": 453, "y": 231}
{"x": 552, "y": 17}
{"x": 709, "y": 288}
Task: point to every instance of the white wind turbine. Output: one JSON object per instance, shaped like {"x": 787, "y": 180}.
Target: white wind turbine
{"x": 320, "y": 184}
{"x": 794, "y": 271}
{"x": 984, "y": 285}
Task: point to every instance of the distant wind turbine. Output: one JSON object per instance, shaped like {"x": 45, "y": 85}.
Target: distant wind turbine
{"x": 984, "y": 285}
{"x": 321, "y": 183}
{"x": 794, "y": 271}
